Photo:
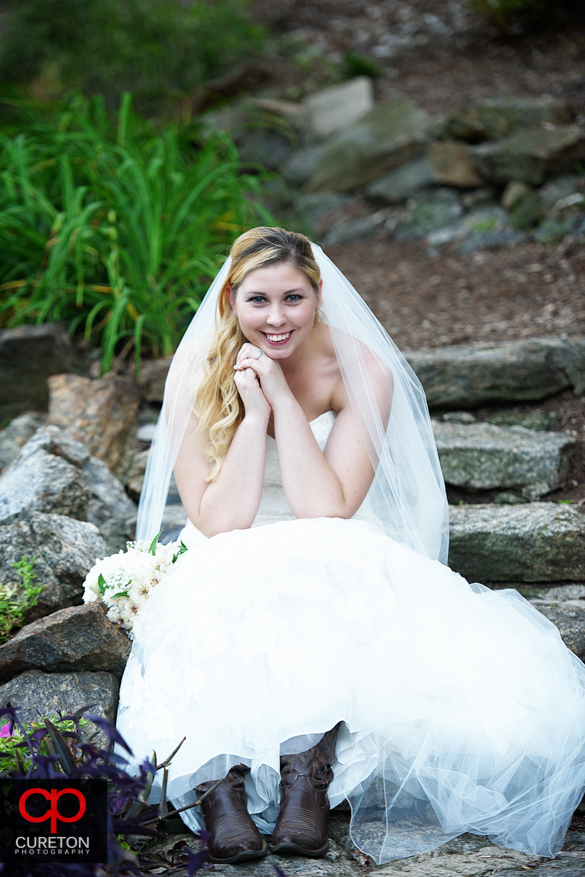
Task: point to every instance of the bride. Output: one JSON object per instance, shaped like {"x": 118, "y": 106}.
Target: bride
{"x": 311, "y": 644}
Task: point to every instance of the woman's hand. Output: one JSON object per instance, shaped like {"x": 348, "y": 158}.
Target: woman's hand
{"x": 267, "y": 372}
{"x": 255, "y": 402}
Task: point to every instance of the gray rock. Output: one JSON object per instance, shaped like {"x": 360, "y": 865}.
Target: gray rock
{"x": 459, "y": 417}
{"x": 570, "y": 621}
{"x": 333, "y": 109}
{"x": 435, "y": 210}
{"x": 262, "y": 146}
{"x": 533, "y": 155}
{"x": 153, "y": 374}
{"x": 28, "y": 355}
{"x": 486, "y": 860}
{"x": 336, "y": 863}
{"x": 557, "y": 189}
{"x": 403, "y": 182}
{"x": 544, "y": 421}
{"x": 55, "y": 473}
{"x": 64, "y": 549}
{"x": 302, "y": 164}
{"x": 472, "y": 374}
{"x": 136, "y": 473}
{"x": 46, "y": 477}
{"x": 451, "y": 165}
{"x": 49, "y": 692}
{"x": 495, "y": 118}
{"x": 109, "y": 507}
{"x": 16, "y": 434}
{"x": 507, "y": 498}
{"x": 102, "y": 414}
{"x": 74, "y": 639}
{"x": 390, "y": 134}
{"x": 317, "y": 207}
{"x": 491, "y": 240}
{"x": 484, "y": 456}
{"x": 356, "y": 229}
{"x": 535, "y": 542}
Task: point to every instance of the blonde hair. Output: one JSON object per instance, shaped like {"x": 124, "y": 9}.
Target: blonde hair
{"x": 218, "y": 406}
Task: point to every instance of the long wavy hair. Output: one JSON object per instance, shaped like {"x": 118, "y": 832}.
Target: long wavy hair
{"x": 218, "y": 406}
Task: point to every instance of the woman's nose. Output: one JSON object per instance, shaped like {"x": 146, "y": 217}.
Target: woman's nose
{"x": 276, "y": 316}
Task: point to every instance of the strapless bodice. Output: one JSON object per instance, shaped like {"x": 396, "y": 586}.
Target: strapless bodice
{"x": 274, "y": 504}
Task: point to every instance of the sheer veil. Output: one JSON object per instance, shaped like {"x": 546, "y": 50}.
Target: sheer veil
{"x": 407, "y": 495}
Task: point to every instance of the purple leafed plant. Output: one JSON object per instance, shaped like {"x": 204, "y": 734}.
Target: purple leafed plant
{"x": 50, "y": 753}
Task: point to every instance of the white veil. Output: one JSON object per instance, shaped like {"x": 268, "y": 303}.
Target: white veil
{"x": 407, "y": 495}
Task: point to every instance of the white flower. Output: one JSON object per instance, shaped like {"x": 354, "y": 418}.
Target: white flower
{"x": 124, "y": 581}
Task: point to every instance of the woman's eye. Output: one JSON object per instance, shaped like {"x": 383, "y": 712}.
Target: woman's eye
{"x": 294, "y": 297}
{"x": 257, "y": 299}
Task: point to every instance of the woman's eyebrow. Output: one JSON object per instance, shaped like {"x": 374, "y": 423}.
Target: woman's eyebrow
{"x": 263, "y": 292}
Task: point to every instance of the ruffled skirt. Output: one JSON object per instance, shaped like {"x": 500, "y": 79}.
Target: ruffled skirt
{"x": 462, "y": 709}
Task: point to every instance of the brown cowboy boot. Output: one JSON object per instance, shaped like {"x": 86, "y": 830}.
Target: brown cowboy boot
{"x": 301, "y": 827}
{"x": 234, "y": 836}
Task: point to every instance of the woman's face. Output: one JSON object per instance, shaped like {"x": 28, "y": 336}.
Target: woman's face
{"x": 275, "y": 307}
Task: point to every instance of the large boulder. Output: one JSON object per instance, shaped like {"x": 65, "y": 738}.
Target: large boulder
{"x": 102, "y": 414}
{"x": 390, "y": 134}
{"x": 495, "y": 118}
{"x": 470, "y": 374}
{"x": 74, "y": 639}
{"x": 16, "y": 434}
{"x": 55, "y": 473}
{"x": 37, "y": 692}
{"x": 483, "y": 456}
{"x": 28, "y": 355}
{"x": 534, "y": 542}
{"x": 64, "y": 552}
{"x": 533, "y": 155}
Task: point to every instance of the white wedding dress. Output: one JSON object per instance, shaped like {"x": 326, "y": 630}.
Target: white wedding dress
{"x": 462, "y": 709}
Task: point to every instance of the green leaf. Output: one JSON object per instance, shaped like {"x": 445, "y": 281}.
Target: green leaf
{"x": 101, "y": 584}
{"x": 121, "y": 594}
{"x": 154, "y": 542}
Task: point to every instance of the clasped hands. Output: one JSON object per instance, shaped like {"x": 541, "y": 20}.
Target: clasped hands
{"x": 259, "y": 379}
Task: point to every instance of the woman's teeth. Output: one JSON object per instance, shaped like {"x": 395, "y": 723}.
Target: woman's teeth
{"x": 277, "y": 337}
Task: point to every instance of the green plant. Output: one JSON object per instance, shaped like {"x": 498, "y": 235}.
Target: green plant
{"x": 15, "y": 603}
{"x": 157, "y": 48}
{"x": 487, "y": 224}
{"x": 359, "y": 65}
{"x": 115, "y": 229}
{"x": 564, "y": 501}
{"x": 57, "y": 749}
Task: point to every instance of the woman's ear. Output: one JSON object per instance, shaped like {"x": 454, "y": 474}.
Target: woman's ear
{"x": 231, "y": 298}
{"x": 320, "y": 290}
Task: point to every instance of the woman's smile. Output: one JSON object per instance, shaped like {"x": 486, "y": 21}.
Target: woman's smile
{"x": 278, "y": 340}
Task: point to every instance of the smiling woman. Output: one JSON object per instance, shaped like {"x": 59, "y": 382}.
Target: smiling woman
{"x": 310, "y": 643}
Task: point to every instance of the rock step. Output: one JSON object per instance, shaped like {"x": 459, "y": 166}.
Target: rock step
{"x": 75, "y": 639}
{"x": 533, "y": 542}
{"x": 35, "y": 691}
{"x": 483, "y": 456}
{"x": 460, "y": 376}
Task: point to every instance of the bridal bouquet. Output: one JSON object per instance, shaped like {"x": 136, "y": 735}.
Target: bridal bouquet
{"x": 124, "y": 581}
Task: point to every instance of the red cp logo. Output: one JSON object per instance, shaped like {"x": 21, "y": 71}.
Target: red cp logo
{"x": 53, "y": 811}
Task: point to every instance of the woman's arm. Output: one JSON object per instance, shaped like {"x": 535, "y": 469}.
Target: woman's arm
{"x": 231, "y": 501}
{"x": 332, "y": 483}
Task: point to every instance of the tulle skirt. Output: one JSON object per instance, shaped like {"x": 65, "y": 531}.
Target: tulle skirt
{"x": 461, "y": 708}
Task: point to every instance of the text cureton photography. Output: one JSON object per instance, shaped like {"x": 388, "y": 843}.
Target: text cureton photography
{"x": 59, "y": 820}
